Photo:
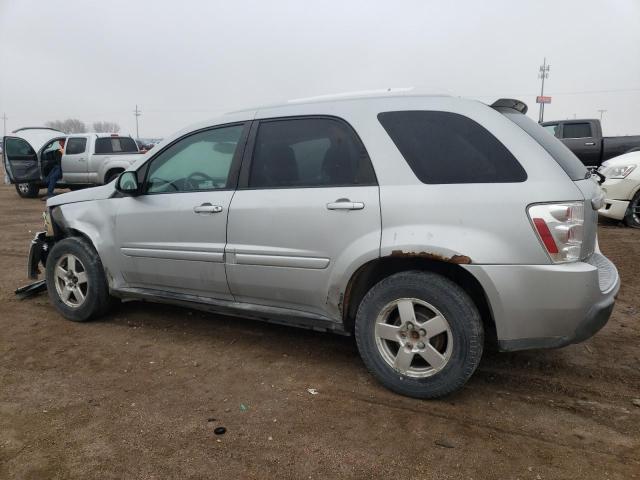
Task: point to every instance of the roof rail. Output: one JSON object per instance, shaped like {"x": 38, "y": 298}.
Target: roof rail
{"x": 353, "y": 94}
{"x": 511, "y": 103}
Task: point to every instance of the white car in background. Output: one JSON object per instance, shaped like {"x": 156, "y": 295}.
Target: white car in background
{"x": 622, "y": 188}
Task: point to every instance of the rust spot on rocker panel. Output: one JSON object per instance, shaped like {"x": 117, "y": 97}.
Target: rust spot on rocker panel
{"x": 458, "y": 259}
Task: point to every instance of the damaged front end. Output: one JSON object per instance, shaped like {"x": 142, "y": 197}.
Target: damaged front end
{"x": 38, "y": 252}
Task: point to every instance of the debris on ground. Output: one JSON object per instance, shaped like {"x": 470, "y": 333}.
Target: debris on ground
{"x": 219, "y": 430}
{"x": 313, "y": 391}
{"x": 243, "y": 407}
{"x": 636, "y": 402}
{"x": 444, "y": 444}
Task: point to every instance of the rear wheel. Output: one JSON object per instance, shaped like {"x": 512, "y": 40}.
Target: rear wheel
{"x": 419, "y": 334}
{"x": 632, "y": 216}
{"x": 27, "y": 190}
{"x": 76, "y": 281}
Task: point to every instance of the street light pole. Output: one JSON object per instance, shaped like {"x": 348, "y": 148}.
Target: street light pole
{"x": 137, "y": 113}
{"x": 602, "y": 110}
{"x": 542, "y": 74}
{"x": 4, "y": 127}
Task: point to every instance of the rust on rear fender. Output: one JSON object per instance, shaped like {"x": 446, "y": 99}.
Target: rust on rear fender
{"x": 457, "y": 259}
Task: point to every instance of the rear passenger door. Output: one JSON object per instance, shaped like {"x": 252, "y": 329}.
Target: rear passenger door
{"x": 580, "y": 140}
{"x": 307, "y": 206}
{"x": 74, "y": 160}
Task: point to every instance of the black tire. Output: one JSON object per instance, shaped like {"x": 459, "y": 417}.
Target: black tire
{"x": 27, "y": 190}
{"x": 112, "y": 175}
{"x": 97, "y": 300}
{"x": 632, "y": 215}
{"x": 465, "y": 330}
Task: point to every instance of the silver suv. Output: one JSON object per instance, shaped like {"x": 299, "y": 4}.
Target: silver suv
{"x": 424, "y": 226}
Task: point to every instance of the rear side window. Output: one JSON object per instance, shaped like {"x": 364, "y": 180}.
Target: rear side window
{"x": 576, "y": 130}
{"x": 75, "y": 146}
{"x": 308, "y": 152}
{"x": 444, "y": 147}
{"x": 554, "y": 147}
{"x": 116, "y": 145}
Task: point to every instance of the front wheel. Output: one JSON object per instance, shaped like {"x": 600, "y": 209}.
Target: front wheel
{"x": 27, "y": 190}
{"x": 419, "y": 334}
{"x": 632, "y": 215}
{"x": 76, "y": 281}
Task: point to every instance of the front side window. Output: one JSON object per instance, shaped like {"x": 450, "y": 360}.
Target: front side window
{"x": 553, "y": 129}
{"x": 576, "y": 130}
{"x": 75, "y": 146}
{"x": 201, "y": 161}
{"x": 444, "y": 147}
{"x": 17, "y": 147}
{"x": 308, "y": 152}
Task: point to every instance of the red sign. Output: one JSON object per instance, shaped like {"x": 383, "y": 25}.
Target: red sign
{"x": 540, "y": 99}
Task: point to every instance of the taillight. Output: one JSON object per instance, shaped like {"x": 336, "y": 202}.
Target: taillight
{"x": 559, "y": 227}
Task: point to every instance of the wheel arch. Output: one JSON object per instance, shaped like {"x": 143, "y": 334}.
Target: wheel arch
{"x": 372, "y": 272}
{"x": 112, "y": 169}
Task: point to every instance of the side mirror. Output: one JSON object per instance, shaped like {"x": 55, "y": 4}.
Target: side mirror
{"x": 127, "y": 184}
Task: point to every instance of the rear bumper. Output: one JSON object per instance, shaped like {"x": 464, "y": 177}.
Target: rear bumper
{"x": 549, "y": 306}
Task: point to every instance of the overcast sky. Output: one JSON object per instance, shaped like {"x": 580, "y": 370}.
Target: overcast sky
{"x": 184, "y": 61}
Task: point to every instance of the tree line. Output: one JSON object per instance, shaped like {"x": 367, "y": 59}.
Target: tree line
{"x": 73, "y": 125}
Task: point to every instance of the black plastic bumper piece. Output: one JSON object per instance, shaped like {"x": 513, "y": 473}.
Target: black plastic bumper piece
{"x": 38, "y": 252}
{"x": 31, "y": 289}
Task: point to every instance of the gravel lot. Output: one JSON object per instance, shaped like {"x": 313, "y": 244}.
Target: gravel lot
{"x": 139, "y": 393}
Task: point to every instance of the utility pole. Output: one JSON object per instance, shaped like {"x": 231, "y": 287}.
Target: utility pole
{"x": 4, "y": 128}
{"x": 542, "y": 74}
{"x": 602, "y": 110}
{"x": 137, "y": 113}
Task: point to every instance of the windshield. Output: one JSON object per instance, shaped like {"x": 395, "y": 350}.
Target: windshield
{"x": 560, "y": 153}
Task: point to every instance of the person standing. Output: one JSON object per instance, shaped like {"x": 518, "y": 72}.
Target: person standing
{"x": 55, "y": 173}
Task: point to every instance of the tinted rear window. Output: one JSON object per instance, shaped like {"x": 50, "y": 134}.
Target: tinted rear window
{"x": 576, "y": 130}
{"x": 444, "y": 147}
{"x": 308, "y": 152}
{"x": 116, "y": 145}
{"x": 554, "y": 147}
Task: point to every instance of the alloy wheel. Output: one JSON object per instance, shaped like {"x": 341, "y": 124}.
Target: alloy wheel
{"x": 413, "y": 337}
{"x": 71, "y": 280}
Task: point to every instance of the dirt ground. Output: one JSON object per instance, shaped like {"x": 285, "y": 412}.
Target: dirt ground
{"x": 139, "y": 393}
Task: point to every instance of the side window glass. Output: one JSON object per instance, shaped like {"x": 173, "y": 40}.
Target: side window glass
{"x": 444, "y": 147}
{"x": 553, "y": 129}
{"x": 17, "y": 147}
{"x": 201, "y": 161}
{"x": 308, "y": 152}
{"x": 576, "y": 130}
{"x": 75, "y": 146}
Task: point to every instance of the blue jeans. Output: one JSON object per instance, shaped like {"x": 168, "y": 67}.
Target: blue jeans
{"x": 54, "y": 175}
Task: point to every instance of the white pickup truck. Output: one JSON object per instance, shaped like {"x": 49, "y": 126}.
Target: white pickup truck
{"x": 88, "y": 159}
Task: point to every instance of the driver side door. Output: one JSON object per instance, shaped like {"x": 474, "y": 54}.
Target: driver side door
{"x": 173, "y": 236}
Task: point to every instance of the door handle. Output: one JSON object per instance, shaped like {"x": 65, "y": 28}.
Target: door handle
{"x": 589, "y": 144}
{"x": 345, "y": 204}
{"x": 207, "y": 208}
